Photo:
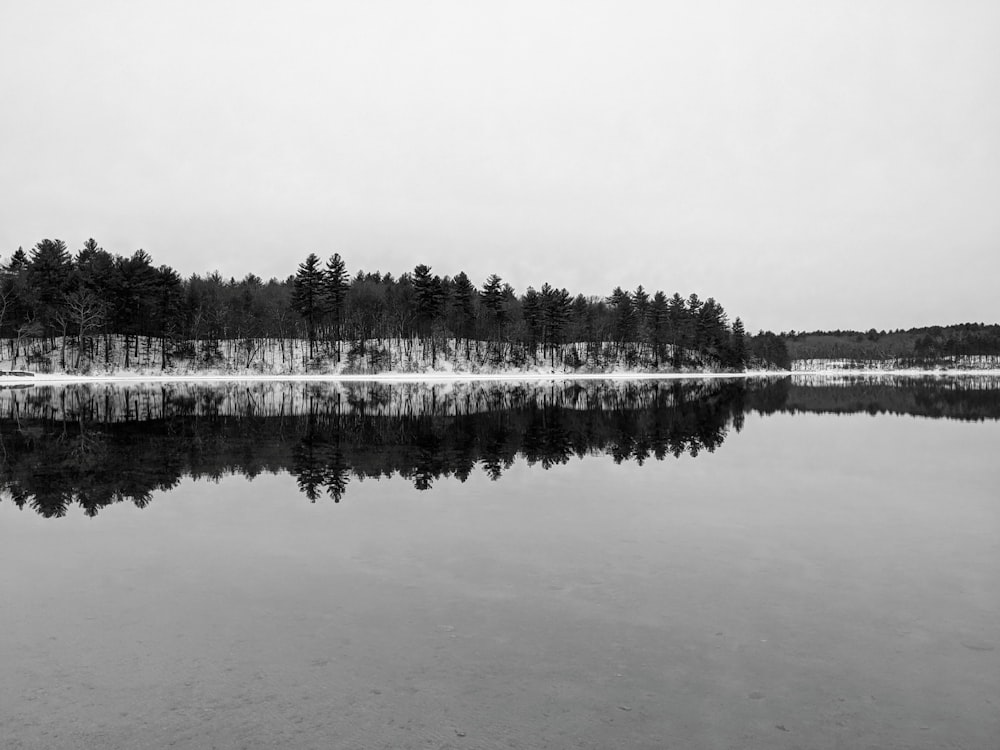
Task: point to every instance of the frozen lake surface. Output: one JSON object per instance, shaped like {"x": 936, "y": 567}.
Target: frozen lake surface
{"x": 713, "y": 564}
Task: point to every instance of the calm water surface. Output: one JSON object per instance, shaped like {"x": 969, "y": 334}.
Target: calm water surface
{"x": 488, "y": 566}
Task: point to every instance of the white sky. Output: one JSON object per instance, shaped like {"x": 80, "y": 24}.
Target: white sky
{"x": 808, "y": 164}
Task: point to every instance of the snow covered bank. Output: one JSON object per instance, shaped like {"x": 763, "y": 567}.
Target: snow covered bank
{"x": 978, "y": 363}
{"x": 117, "y": 358}
{"x": 401, "y": 377}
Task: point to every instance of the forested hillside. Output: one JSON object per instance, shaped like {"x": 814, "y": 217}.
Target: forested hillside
{"x": 93, "y": 310}
{"x": 966, "y": 344}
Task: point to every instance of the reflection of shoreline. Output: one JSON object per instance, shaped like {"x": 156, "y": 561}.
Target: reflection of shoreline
{"x": 146, "y": 401}
{"x": 905, "y": 373}
{"x": 96, "y": 444}
{"x": 968, "y": 398}
{"x": 511, "y": 377}
{"x": 102, "y": 444}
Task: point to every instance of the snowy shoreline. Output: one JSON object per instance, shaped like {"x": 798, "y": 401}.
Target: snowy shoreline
{"x": 409, "y": 377}
{"x": 908, "y": 372}
{"x": 111, "y": 359}
{"x": 449, "y": 377}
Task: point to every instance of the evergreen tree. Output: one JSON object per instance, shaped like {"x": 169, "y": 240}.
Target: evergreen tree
{"x": 167, "y": 310}
{"x": 711, "y": 327}
{"x": 659, "y": 323}
{"x": 531, "y": 309}
{"x": 308, "y": 297}
{"x": 335, "y": 287}
{"x": 18, "y": 262}
{"x": 554, "y": 313}
{"x": 95, "y": 268}
{"x": 463, "y": 304}
{"x": 48, "y": 276}
{"x": 640, "y": 305}
{"x": 429, "y": 293}
{"x": 692, "y": 330}
{"x": 624, "y": 315}
{"x": 677, "y": 320}
{"x": 738, "y": 347}
{"x": 582, "y": 320}
{"x": 493, "y": 301}
{"x": 135, "y": 290}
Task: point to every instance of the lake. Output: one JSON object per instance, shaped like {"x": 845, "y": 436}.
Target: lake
{"x": 798, "y": 562}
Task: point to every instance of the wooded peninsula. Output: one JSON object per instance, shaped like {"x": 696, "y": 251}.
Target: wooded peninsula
{"x": 94, "y": 312}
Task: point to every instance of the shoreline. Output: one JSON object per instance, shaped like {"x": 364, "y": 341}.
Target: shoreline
{"x": 911, "y": 372}
{"x": 407, "y": 377}
{"x": 452, "y": 377}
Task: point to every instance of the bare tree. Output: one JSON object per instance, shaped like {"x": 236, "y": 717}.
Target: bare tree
{"x": 7, "y": 296}
{"x": 62, "y": 318}
{"x": 29, "y": 329}
{"x": 88, "y": 312}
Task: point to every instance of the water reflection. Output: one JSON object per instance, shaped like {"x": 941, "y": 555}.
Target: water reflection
{"x": 96, "y": 445}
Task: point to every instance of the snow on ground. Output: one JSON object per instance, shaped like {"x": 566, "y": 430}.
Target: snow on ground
{"x": 950, "y": 365}
{"x": 116, "y": 359}
{"x": 412, "y": 377}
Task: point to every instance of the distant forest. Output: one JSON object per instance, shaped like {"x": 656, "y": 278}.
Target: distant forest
{"x": 93, "y": 296}
{"x": 916, "y": 345}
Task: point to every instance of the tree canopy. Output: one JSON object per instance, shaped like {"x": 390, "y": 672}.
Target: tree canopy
{"x": 93, "y": 295}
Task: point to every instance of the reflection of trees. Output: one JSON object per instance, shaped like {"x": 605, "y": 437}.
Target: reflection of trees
{"x": 338, "y": 474}
{"x": 969, "y": 398}
{"x": 97, "y": 445}
{"x": 546, "y": 441}
{"x": 318, "y": 463}
{"x": 307, "y": 466}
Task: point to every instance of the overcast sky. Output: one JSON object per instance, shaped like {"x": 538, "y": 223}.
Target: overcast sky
{"x": 808, "y": 164}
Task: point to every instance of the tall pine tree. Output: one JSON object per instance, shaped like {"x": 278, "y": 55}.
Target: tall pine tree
{"x": 336, "y": 284}
{"x": 307, "y": 296}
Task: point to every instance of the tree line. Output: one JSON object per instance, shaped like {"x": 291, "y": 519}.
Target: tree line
{"x": 924, "y": 345}
{"x": 92, "y": 296}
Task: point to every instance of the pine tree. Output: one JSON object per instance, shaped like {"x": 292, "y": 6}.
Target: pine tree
{"x": 463, "y": 304}
{"x": 94, "y": 268}
{"x": 677, "y": 316}
{"x": 493, "y": 298}
{"x": 429, "y": 296}
{"x": 711, "y": 329}
{"x": 48, "y": 276}
{"x": 307, "y": 296}
{"x": 531, "y": 309}
{"x": 18, "y": 261}
{"x": 335, "y": 287}
{"x": 167, "y": 308}
{"x": 624, "y": 314}
{"x": 739, "y": 352}
{"x": 640, "y": 303}
{"x": 555, "y": 311}
{"x": 658, "y": 323}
